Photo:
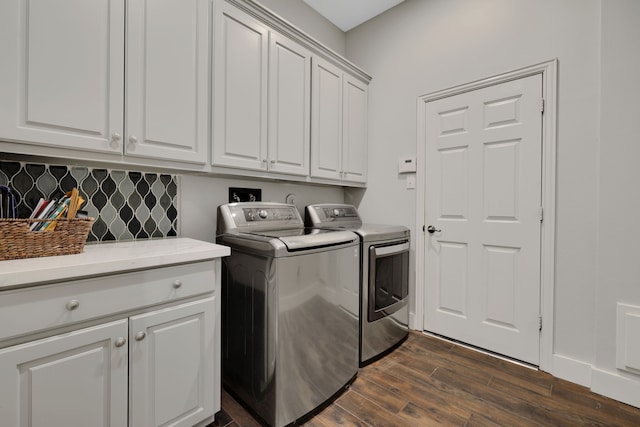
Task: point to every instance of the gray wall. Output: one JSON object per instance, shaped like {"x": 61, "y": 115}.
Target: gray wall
{"x": 308, "y": 20}
{"x": 200, "y": 196}
{"x": 425, "y": 46}
{"x": 618, "y": 191}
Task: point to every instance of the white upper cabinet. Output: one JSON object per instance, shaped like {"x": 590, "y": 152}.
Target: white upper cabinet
{"x": 326, "y": 124}
{"x": 240, "y": 90}
{"x": 61, "y": 82}
{"x": 289, "y": 106}
{"x": 167, "y": 79}
{"x": 339, "y": 125}
{"x": 64, "y": 80}
{"x": 354, "y": 130}
{"x": 220, "y": 86}
{"x": 261, "y": 97}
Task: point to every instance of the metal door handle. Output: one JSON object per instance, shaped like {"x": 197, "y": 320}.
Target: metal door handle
{"x": 431, "y": 229}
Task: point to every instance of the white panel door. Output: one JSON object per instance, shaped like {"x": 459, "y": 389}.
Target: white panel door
{"x": 483, "y": 196}
{"x": 326, "y": 122}
{"x": 168, "y": 79}
{"x": 161, "y": 340}
{"x": 61, "y": 82}
{"x": 354, "y": 130}
{"x": 289, "y": 106}
{"x": 240, "y": 90}
{"x": 75, "y": 379}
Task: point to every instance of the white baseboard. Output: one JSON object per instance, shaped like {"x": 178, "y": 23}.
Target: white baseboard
{"x": 610, "y": 384}
{"x": 572, "y": 370}
{"x": 618, "y": 387}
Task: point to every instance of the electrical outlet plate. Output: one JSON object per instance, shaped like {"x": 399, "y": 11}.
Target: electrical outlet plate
{"x": 239, "y": 194}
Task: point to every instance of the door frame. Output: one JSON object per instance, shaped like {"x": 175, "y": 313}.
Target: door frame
{"x": 548, "y": 70}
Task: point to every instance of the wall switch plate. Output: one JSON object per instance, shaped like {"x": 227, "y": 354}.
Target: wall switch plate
{"x": 411, "y": 181}
{"x": 238, "y": 194}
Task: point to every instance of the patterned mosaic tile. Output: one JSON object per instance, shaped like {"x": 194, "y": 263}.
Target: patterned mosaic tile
{"x": 126, "y": 205}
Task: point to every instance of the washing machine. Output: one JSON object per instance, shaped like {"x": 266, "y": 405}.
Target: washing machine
{"x": 290, "y": 311}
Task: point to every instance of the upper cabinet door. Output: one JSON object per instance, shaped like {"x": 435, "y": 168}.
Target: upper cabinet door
{"x": 168, "y": 79}
{"x": 289, "y": 106}
{"x": 240, "y": 90}
{"x": 61, "y": 82}
{"x": 326, "y": 122}
{"x": 354, "y": 132}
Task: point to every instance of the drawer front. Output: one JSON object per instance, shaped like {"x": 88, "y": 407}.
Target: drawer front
{"x": 28, "y": 310}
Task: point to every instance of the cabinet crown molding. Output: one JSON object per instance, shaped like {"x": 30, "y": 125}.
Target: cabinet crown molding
{"x": 283, "y": 26}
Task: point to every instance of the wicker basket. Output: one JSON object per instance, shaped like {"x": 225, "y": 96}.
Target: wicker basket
{"x": 17, "y": 242}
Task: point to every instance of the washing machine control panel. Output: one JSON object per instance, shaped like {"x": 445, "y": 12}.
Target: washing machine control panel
{"x": 268, "y": 214}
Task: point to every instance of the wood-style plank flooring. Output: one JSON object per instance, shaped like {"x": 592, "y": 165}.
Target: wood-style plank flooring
{"x": 428, "y": 381}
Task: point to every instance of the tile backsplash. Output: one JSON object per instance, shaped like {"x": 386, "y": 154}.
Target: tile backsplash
{"x": 126, "y": 205}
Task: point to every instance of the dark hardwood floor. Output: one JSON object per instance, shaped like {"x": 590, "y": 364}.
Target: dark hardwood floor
{"x": 427, "y": 381}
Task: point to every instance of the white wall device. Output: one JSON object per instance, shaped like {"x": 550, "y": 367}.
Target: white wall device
{"x": 407, "y": 165}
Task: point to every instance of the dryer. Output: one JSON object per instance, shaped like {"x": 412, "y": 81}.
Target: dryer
{"x": 384, "y": 277}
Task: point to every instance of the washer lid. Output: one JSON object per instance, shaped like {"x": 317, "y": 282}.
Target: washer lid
{"x": 308, "y": 238}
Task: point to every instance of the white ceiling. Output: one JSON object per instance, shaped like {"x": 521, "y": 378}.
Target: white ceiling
{"x": 347, "y": 14}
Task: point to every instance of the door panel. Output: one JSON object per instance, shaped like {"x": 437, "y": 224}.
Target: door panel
{"x": 61, "y": 82}
{"x": 168, "y": 79}
{"x": 354, "y": 144}
{"x": 289, "y": 110}
{"x": 326, "y": 123}
{"x": 161, "y": 340}
{"x": 240, "y": 90}
{"x": 483, "y": 191}
{"x": 73, "y": 379}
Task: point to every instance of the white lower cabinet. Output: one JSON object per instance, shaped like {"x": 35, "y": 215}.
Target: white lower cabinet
{"x": 153, "y": 364}
{"x": 74, "y": 379}
{"x": 171, "y": 355}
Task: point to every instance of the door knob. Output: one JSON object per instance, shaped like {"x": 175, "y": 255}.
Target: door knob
{"x": 431, "y": 229}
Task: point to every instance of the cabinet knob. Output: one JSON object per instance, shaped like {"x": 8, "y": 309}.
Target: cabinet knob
{"x": 273, "y": 161}
{"x": 115, "y": 141}
{"x": 140, "y": 335}
{"x": 177, "y": 284}
{"x": 73, "y": 304}
{"x": 133, "y": 139}
{"x": 120, "y": 341}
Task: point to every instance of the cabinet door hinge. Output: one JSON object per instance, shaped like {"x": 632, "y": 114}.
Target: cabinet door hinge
{"x": 539, "y": 323}
{"x": 541, "y": 213}
{"x": 542, "y": 105}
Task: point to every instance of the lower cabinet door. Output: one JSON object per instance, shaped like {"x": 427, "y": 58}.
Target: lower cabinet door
{"x": 171, "y": 378}
{"x": 75, "y": 379}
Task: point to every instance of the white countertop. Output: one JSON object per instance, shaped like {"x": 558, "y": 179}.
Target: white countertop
{"x": 106, "y": 258}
